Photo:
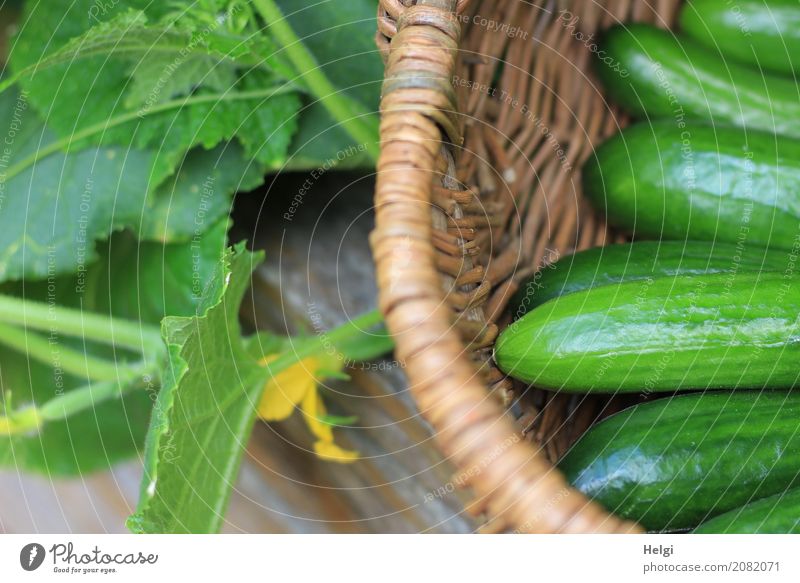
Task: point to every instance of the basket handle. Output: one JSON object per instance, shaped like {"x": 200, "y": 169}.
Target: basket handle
{"x": 515, "y": 486}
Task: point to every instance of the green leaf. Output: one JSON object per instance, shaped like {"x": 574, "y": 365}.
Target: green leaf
{"x": 199, "y": 195}
{"x": 334, "y": 33}
{"x": 52, "y": 212}
{"x": 146, "y": 281}
{"x": 204, "y": 413}
{"x": 128, "y": 68}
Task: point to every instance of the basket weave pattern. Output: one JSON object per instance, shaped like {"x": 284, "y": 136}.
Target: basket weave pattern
{"x": 482, "y": 139}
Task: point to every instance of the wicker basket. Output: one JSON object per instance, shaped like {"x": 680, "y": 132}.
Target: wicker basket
{"x": 482, "y": 141}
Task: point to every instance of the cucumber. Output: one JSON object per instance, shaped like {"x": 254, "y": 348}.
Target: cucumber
{"x": 753, "y": 32}
{"x": 719, "y": 330}
{"x": 641, "y": 260}
{"x": 701, "y": 183}
{"x": 672, "y": 463}
{"x": 778, "y": 514}
{"x": 652, "y": 73}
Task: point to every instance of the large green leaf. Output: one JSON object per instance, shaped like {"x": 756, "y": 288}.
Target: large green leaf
{"x": 134, "y": 67}
{"x": 340, "y": 37}
{"x": 146, "y": 281}
{"x": 53, "y": 211}
{"x": 199, "y": 195}
{"x": 204, "y": 413}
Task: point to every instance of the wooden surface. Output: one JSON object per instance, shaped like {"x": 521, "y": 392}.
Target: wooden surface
{"x": 317, "y": 262}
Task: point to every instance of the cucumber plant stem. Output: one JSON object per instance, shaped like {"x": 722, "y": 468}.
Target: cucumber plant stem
{"x": 83, "y": 398}
{"x": 351, "y": 115}
{"x": 57, "y": 319}
{"x": 55, "y": 352}
{"x": 346, "y": 331}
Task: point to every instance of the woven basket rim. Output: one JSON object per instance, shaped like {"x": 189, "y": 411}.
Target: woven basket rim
{"x": 515, "y": 487}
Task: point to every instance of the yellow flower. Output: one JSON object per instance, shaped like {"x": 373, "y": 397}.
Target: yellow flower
{"x": 297, "y": 386}
{"x": 285, "y": 390}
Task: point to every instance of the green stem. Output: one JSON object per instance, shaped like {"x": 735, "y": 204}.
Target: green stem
{"x": 352, "y": 116}
{"x": 101, "y": 127}
{"x": 53, "y": 353}
{"x": 83, "y": 398}
{"x": 347, "y": 331}
{"x": 77, "y": 400}
{"x": 71, "y": 322}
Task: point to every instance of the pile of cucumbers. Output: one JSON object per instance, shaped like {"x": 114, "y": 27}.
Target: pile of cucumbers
{"x": 706, "y": 298}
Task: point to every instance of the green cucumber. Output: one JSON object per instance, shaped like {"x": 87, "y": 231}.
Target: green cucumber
{"x": 753, "y": 32}
{"x": 720, "y": 330}
{"x": 778, "y": 514}
{"x": 702, "y": 183}
{"x": 673, "y": 463}
{"x": 652, "y": 73}
{"x": 641, "y": 260}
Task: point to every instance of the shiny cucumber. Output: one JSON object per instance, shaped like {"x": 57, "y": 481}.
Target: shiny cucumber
{"x": 673, "y": 463}
{"x": 719, "y": 330}
{"x": 641, "y": 260}
{"x": 753, "y": 32}
{"x": 652, "y": 73}
{"x": 778, "y": 514}
{"x": 704, "y": 183}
